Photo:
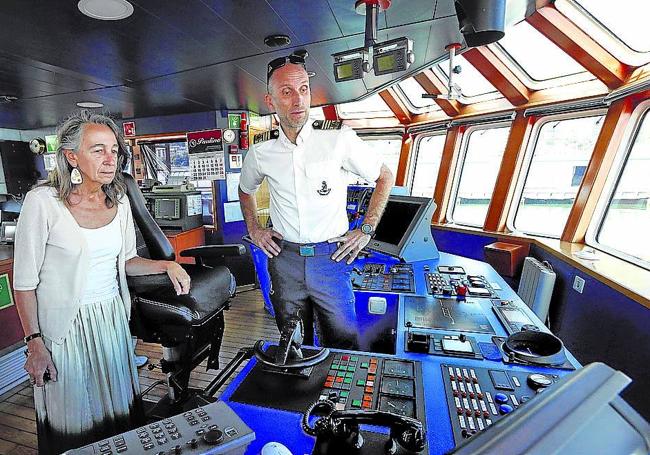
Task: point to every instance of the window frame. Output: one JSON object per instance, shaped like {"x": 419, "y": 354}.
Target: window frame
{"x": 433, "y": 108}
{"x": 366, "y": 114}
{"x": 640, "y": 113}
{"x": 462, "y": 155}
{"x": 529, "y": 153}
{"x": 416, "y": 153}
{"x": 463, "y": 99}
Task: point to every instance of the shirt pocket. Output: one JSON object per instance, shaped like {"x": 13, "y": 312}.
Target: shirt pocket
{"x": 323, "y": 179}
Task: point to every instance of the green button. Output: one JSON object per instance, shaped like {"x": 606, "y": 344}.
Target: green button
{"x": 347, "y": 380}
{"x": 334, "y": 367}
{"x": 361, "y": 383}
{"x": 354, "y": 358}
{"x": 349, "y": 375}
{"x": 344, "y": 393}
{"x": 356, "y": 403}
{"x": 351, "y": 369}
{"x": 341, "y": 374}
{"x": 363, "y": 365}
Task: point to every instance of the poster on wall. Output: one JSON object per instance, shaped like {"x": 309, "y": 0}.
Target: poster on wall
{"x": 6, "y": 297}
{"x": 205, "y": 149}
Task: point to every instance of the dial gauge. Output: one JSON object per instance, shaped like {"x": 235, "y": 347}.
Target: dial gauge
{"x": 400, "y": 406}
{"x": 229, "y": 136}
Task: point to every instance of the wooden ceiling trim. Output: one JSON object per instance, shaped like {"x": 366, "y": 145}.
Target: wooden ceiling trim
{"x": 509, "y": 170}
{"x": 433, "y": 85}
{"x": 581, "y": 47}
{"x": 396, "y": 105}
{"x": 445, "y": 181}
{"x": 404, "y": 160}
{"x": 497, "y": 72}
{"x": 591, "y": 188}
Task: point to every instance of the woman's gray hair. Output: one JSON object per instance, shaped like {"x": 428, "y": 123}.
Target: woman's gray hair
{"x": 69, "y": 134}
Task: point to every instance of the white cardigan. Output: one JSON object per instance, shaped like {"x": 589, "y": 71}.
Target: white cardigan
{"x": 50, "y": 256}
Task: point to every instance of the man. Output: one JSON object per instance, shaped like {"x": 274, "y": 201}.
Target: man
{"x": 310, "y": 249}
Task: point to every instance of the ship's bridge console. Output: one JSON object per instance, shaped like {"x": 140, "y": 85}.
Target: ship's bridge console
{"x": 451, "y": 361}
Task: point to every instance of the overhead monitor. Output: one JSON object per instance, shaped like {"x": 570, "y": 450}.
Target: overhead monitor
{"x": 405, "y": 229}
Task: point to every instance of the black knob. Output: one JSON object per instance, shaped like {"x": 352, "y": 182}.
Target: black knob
{"x": 193, "y": 443}
{"x": 462, "y": 337}
{"x": 213, "y": 436}
{"x": 177, "y": 450}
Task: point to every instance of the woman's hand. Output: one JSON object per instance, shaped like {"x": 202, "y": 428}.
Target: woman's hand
{"x": 179, "y": 277}
{"x": 39, "y": 360}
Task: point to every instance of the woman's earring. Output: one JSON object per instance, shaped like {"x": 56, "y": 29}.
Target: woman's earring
{"x": 75, "y": 176}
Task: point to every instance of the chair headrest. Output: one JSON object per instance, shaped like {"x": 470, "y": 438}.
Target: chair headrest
{"x": 157, "y": 244}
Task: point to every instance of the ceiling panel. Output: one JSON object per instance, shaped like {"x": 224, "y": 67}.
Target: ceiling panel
{"x": 173, "y": 57}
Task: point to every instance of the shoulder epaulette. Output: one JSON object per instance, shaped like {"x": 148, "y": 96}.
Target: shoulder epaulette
{"x": 265, "y": 136}
{"x": 327, "y": 124}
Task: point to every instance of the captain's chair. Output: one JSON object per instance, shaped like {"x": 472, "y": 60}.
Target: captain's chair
{"x": 189, "y": 327}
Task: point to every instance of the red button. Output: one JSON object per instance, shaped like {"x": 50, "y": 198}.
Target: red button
{"x": 345, "y": 358}
{"x": 330, "y": 378}
{"x": 371, "y": 377}
{"x": 367, "y": 397}
{"x": 328, "y": 384}
{"x": 339, "y": 379}
{"x": 369, "y": 389}
{"x": 367, "y": 404}
{"x": 468, "y": 412}
{"x": 373, "y": 361}
{"x": 460, "y": 411}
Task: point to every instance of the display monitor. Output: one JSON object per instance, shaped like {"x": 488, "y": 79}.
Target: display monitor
{"x": 405, "y": 229}
{"x": 167, "y": 209}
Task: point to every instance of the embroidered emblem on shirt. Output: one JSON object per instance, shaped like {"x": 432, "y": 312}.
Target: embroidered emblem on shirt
{"x": 324, "y": 190}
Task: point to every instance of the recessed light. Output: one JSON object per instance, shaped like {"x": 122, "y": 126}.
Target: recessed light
{"x": 277, "y": 40}
{"x": 90, "y": 104}
{"x": 106, "y": 10}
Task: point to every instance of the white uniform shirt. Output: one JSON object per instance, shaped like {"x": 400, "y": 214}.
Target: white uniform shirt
{"x": 308, "y": 180}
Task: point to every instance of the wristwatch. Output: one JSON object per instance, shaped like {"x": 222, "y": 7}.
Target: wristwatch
{"x": 367, "y": 228}
{"x": 32, "y": 336}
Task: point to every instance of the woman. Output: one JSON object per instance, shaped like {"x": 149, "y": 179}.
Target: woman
{"x": 74, "y": 246}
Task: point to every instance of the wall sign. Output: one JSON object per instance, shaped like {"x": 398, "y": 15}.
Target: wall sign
{"x": 129, "y": 129}
{"x": 234, "y": 121}
{"x": 6, "y": 297}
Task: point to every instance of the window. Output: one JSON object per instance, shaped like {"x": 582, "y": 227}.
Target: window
{"x": 625, "y": 224}
{"x": 617, "y": 29}
{"x": 370, "y": 107}
{"x": 530, "y": 52}
{"x": 554, "y": 173}
{"x": 473, "y": 86}
{"x": 627, "y": 20}
{"x": 412, "y": 93}
{"x": 426, "y": 165}
{"x": 484, "y": 147}
{"x": 388, "y": 148}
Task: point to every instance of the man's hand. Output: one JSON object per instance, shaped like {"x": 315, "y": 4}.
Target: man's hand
{"x": 263, "y": 238}
{"x": 351, "y": 244}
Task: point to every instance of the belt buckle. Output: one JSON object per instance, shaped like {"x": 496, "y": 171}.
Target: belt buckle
{"x": 307, "y": 250}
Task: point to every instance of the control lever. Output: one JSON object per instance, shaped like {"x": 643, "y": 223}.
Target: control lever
{"x": 288, "y": 355}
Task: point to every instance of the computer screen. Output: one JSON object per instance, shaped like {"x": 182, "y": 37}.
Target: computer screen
{"x": 405, "y": 229}
{"x": 167, "y": 208}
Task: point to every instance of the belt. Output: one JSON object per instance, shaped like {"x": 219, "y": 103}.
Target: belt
{"x": 310, "y": 249}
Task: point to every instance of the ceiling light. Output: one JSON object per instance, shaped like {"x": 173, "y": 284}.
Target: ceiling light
{"x": 277, "y": 40}
{"x": 106, "y": 10}
{"x": 90, "y": 104}
{"x": 311, "y": 73}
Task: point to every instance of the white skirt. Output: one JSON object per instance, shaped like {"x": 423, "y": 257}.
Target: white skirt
{"x": 97, "y": 391}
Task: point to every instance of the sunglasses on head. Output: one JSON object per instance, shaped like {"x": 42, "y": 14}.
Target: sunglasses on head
{"x": 281, "y": 61}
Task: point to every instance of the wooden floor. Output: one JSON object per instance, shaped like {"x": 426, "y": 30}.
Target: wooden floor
{"x": 246, "y": 322}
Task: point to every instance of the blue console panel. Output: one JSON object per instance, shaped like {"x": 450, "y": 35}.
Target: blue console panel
{"x": 385, "y": 319}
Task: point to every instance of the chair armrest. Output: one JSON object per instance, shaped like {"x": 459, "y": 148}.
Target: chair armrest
{"x": 214, "y": 251}
{"x": 145, "y": 283}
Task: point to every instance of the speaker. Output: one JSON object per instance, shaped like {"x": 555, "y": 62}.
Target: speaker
{"x": 17, "y": 168}
{"x": 481, "y": 21}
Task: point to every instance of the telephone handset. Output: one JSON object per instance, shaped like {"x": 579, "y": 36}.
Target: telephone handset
{"x": 343, "y": 426}
{"x": 288, "y": 355}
